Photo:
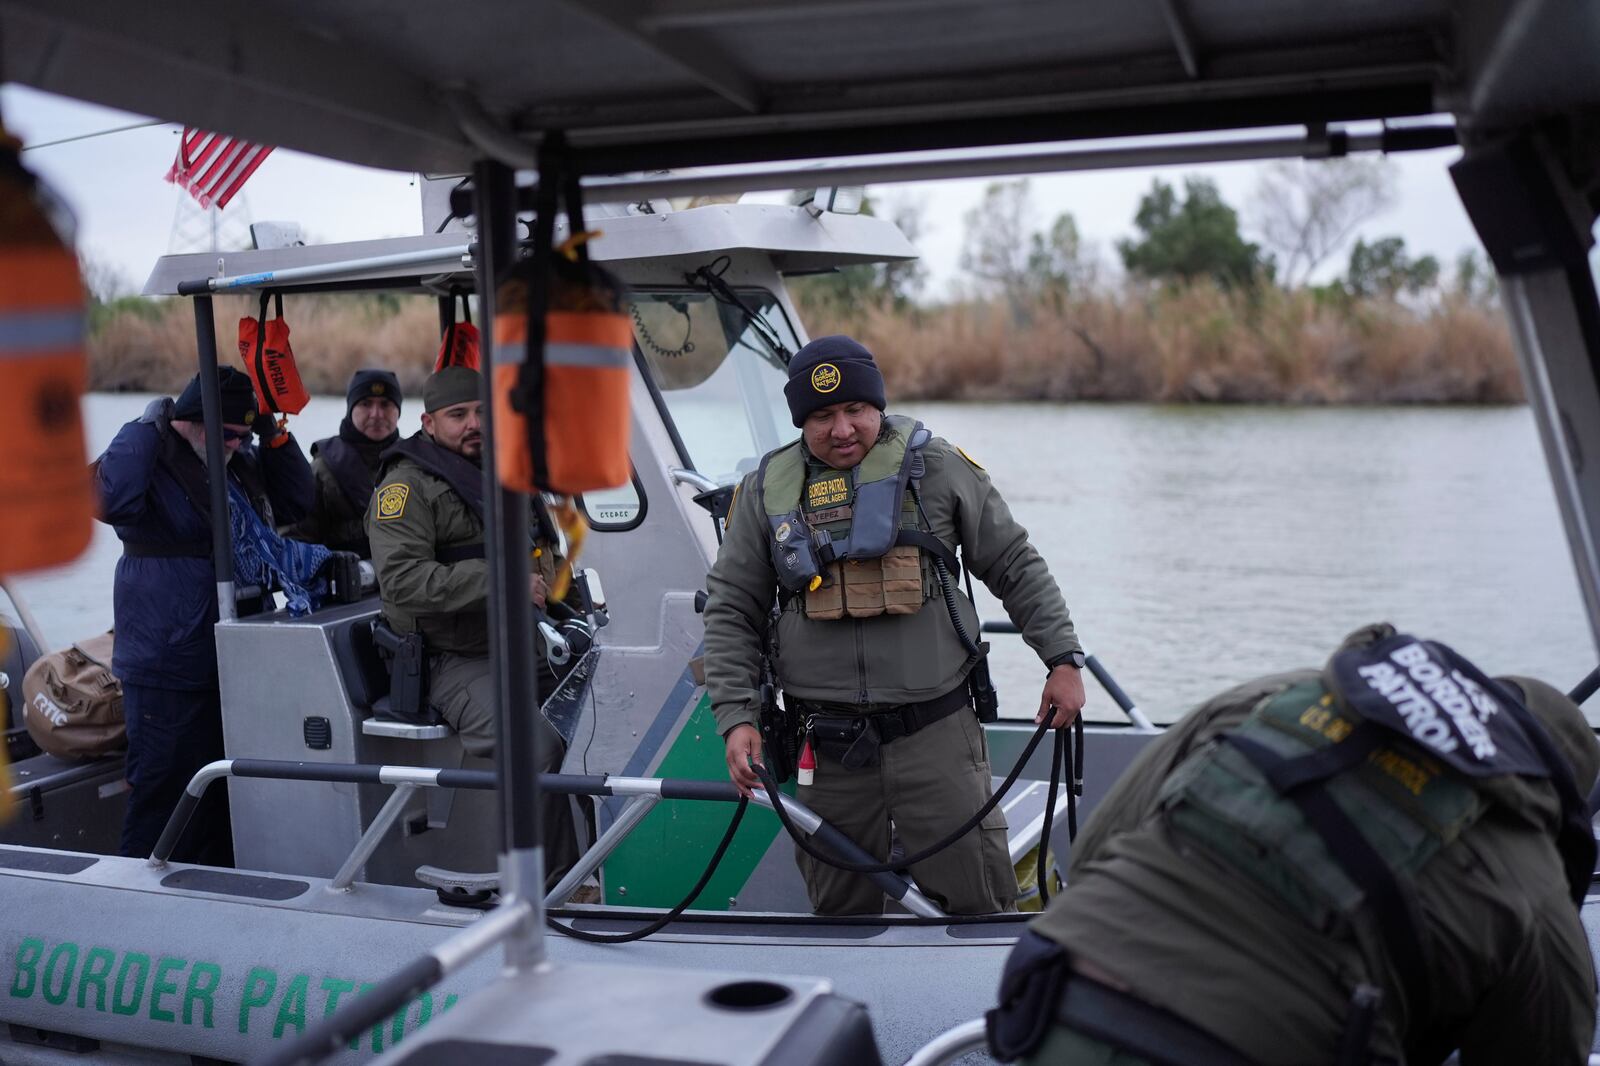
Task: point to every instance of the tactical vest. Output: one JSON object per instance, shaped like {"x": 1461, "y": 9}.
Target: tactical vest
{"x": 850, "y": 540}
{"x": 1334, "y": 800}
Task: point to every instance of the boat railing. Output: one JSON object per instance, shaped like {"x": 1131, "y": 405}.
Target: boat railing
{"x": 1124, "y": 701}
{"x": 641, "y": 793}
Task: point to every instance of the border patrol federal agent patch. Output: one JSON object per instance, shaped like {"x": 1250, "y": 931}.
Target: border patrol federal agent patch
{"x": 825, "y": 377}
{"x": 968, "y": 458}
{"x": 392, "y": 501}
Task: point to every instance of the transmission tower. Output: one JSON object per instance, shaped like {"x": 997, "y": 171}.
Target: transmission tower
{"x": 206, "y": 229}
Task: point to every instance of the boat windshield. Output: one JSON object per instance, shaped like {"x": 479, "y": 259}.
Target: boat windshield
{"x": 718, "y": 374}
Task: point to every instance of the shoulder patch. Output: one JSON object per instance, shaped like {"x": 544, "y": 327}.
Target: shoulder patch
{"x": 392, "y": 500}
{"x": 967, "y": 457}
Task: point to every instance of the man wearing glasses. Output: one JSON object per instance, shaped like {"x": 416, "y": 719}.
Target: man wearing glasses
{"x": 154, "y": 490}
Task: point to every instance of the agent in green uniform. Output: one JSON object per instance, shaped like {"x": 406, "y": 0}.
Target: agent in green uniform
{"x": 425, "y": 522}
{"x": 346, "y": 466}
{"x": 1379, "y": 862}
{"x": 849, "y": 527}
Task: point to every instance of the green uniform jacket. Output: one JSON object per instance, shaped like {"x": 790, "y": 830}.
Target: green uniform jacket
{"x": 412, "y": 515}
{"x": 891, "y": 659}
{"x": 334, "y": 521}
{"x": 1509, "y": 969}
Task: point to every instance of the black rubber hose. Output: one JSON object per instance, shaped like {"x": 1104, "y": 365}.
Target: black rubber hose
{"x": 683, "y": 905}
{"x": 910, "y": 860}
{"x": 1042, "y": 867}
{"x": 1077, "y": 779}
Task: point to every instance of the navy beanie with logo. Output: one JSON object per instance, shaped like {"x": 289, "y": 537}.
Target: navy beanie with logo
{"x": 830, "y": 370}
{"x": 371, "y": 383}
{"x": 238, "y": 398}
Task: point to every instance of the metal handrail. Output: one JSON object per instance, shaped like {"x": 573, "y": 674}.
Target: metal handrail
{"x": 407, "y": 778}
{"x": 1124, "y": 701}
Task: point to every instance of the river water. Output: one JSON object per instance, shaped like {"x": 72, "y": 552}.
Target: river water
{"x": 1198, "y": 546}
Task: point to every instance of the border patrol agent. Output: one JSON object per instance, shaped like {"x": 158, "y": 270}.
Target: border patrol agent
{"x": 346, "y": 466}
{"x": 425, "y": 522}
{"x": 1383, "y": 862}
{"x": 850, "y": 527}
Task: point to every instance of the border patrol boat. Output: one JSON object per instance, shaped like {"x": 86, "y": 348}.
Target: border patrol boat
{"x": 127, "y": 958}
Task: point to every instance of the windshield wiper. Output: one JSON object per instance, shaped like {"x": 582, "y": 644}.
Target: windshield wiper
{"x": 709, "y": 277}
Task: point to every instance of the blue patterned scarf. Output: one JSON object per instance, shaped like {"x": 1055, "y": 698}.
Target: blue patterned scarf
{"x": 259, "y": 555}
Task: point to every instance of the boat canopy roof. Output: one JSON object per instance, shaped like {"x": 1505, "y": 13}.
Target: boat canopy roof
{"x": 419, "y": 85}
{"x": 797, "y": 241}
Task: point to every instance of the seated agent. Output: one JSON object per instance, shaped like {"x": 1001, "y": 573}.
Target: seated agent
{"x": 154, "y": 488}
{"x": 346, "y": 466}
{"x": 1380, "y": 862}
{"x": 425, "y": 523}
{"x": 867, "y": 648}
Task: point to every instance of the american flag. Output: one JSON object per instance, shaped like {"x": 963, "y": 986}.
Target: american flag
{"x": 213, "y": 167}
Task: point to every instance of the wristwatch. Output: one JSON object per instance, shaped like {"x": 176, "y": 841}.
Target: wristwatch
{"x": 1071, "y": 658}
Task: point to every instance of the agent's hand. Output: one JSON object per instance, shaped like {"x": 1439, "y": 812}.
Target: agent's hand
{"x": 743, "y": 746}
{"x": 1063, "y": 696}
{"x": 538, "y": 590}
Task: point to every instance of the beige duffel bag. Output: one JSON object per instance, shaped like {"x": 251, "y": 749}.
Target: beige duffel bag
{"x": 73, "y": 706}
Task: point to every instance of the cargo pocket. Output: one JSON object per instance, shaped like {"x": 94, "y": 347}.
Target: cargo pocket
{"x": 863, "y": 593}
{"x": 826, "y": 604}
{"x": 902, "y": 580}
{"x": 977, "y": 742}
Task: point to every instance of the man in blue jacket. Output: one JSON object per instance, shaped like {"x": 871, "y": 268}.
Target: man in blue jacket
{"x": 153, "y": 488}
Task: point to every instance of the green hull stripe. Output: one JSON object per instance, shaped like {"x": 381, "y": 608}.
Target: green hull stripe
{"x": 668, "y": 851}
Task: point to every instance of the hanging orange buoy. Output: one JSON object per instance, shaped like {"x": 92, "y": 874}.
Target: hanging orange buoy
{"x": 575, "y": 439}
{"x": 44, "y": 481}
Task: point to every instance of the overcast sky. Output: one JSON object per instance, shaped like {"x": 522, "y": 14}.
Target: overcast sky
{"x": 126, "y": 211}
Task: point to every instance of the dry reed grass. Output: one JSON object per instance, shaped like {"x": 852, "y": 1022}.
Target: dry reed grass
{"x": 1190, "y": 344}
{"x": 1186, "y": 344}
{"x": 154, "y": 350}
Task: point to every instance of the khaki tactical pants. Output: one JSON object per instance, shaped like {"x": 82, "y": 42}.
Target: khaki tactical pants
{"x": 460, "y": 688}
{"x": 927, "y": 784}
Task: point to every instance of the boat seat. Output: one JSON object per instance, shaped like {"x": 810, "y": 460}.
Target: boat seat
{"x": 366, "y": 679}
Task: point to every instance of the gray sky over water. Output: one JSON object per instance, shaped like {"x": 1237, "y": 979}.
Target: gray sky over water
{"x": 126, "y": 211}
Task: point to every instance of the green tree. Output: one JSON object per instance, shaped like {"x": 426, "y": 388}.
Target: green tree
{"x": 1475, "y": 278}
{"x": 1384, "y": 268}
{"x": 1001, "y": 248}
{"x": 1196, "y": 237}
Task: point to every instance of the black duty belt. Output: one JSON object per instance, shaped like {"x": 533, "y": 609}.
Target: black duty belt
{"x": 176, "y": 550}
{"x": 892, "y": 723}
{"x": 1139, "y": 1028}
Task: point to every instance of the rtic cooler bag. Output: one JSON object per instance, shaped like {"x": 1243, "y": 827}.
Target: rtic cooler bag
{"x": 73, "y": 706}
{"x": 566, "y": 422}
{"x": 268, "y": 359}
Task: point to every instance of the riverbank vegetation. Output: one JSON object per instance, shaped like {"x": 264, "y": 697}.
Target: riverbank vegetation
{"x": 1195, "y": 306}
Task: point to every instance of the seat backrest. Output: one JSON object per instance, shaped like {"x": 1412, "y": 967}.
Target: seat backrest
{"x": 365, "y": 673}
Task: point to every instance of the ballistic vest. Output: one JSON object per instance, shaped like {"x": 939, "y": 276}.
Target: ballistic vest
{"x": 1333, "y": 795}
{"x": 861, "y": 524}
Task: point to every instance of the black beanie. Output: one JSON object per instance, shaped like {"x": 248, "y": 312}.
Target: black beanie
{"x": 369, "y": 383}
{"x": 238, "y": 399}
{"x": 832, "y": 370}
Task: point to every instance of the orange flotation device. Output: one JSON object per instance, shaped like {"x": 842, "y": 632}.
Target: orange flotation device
{"x": 45, "y": 480}
{"x": 562, "y": 425}
{"x": 461, "y": 343}
{"x": 264, "y": 350}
